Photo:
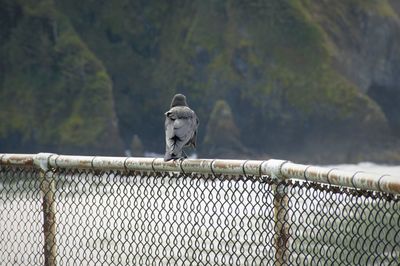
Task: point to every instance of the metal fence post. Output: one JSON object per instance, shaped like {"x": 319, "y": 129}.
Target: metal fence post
{"x": 280, "y": 203}
{"x": 48, "y": 189}
{"x": 281, "y": 229}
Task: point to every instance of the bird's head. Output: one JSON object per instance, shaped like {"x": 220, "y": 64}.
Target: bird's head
{"x": 179, "y": 100}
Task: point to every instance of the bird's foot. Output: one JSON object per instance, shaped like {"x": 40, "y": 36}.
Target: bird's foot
{"x": 181, "y": 158}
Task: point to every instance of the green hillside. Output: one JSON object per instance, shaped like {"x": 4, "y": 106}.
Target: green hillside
{"x": 55, "y": 93}
{"x": 84, "y": 76}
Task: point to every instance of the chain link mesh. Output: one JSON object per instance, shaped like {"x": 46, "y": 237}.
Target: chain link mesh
{"x": 138, "y": 218}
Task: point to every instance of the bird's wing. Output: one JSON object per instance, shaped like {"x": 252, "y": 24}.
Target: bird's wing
{"x": 196, "y": 123}
{"x": 169, "y": 142}
{"x": 180, "y": 127}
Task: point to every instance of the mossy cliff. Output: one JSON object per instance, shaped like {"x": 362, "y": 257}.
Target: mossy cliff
{"x": 228, "y": 144}
{"x": 283, "y": 66}
{"x": 55, "y": 94}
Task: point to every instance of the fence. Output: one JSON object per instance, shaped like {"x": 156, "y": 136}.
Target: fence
{"x": 77, "y": 210}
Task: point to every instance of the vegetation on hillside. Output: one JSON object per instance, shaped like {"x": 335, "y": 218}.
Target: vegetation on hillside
{"x": 275, "y": 63}
{"x": 55, "y": 93}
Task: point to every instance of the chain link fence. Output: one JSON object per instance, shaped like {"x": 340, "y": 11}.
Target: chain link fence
{"x": 108, "y": 217}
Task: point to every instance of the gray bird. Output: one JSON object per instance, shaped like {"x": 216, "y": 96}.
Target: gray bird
{"x": 181, "y": 125}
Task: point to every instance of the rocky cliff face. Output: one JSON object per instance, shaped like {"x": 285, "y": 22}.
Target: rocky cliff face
{"x": 306, "y": 80}
{"x": 365, "y": 37}
{"x": 55, "y": 95}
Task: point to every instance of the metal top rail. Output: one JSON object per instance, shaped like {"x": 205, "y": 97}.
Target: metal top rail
{"x": 280, "y": 169}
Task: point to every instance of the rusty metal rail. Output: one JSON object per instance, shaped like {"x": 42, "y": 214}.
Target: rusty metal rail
{"x": 63, "y": 210}
{"x": 280, "y": 169}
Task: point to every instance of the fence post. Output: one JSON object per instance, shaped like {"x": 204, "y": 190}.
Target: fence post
{"x": 281, "y": 229}
{"x": 280, "y": 203}
{"x": 48, "y": 189}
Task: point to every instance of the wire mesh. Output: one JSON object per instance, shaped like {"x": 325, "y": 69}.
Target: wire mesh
{"x": 21, "y": 219}
{"x": 139, "y": 218}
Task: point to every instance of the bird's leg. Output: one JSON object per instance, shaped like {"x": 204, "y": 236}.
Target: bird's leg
{"x": 184, "y": 154}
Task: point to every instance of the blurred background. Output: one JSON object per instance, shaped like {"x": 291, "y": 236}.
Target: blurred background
{"x": 310, "y": 81}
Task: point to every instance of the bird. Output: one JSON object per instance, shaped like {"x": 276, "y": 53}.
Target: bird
{"x": 181, "y": 125}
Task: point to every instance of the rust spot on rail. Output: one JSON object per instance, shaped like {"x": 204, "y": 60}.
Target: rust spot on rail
{"x": 393, "y": 187}
{"x": 23, "y": 160}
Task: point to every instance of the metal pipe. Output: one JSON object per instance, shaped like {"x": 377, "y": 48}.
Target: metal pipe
{"x": 17, "y": 159}
{"x": 281, "y": 228}
{"x": 48, "y": 188}
{"x": 275, "y": 168}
